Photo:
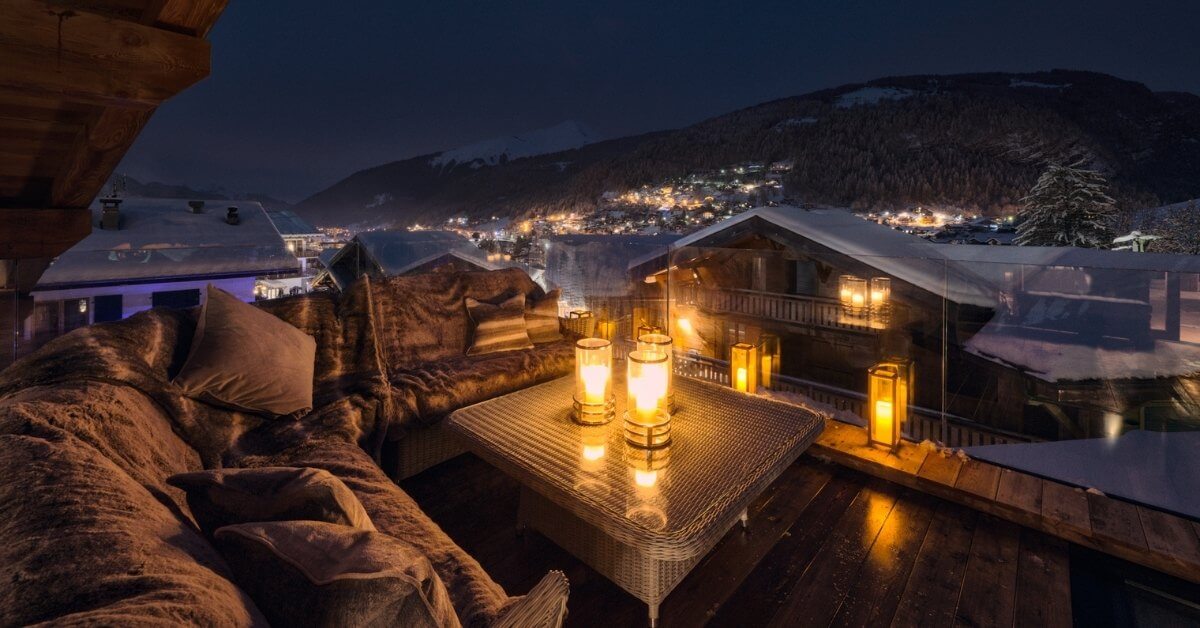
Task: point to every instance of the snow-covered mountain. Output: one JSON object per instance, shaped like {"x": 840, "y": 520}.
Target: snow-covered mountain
{"x": 563, "y": 136}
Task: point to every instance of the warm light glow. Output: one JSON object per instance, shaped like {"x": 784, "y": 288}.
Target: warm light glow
{"x": 647, "y": 389}
{"x": 883, "y": 417}
{"x": 856, "y": 300}
{"x": 877, "y": 296}
{"x": 741, "y": 383}
{"x": 685, "y": 326}
{"x": 593, "y": 452}
{"x": 743, "y": 364}
{"x": 888, "y": 391}
{"x": 595, "y": 382}
{"x": 645, "y": 479}
{"x": 765, "y": 371}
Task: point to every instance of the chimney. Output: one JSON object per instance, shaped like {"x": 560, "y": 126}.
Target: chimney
{"x": 231, "y": 216}
{"x": 110, "y": 214}
{"x": 196, "y": 207}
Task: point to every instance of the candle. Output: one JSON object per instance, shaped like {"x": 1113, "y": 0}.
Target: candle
{"x": 741, "y": 379}
{"x": 648, "y": 389}
{"x": 845, "y": 294}
{"x": 856, "y": 300}
{"x": 595, "y": 382}
{"x": 883, "y": 419}
{"x": 876, "y": 296}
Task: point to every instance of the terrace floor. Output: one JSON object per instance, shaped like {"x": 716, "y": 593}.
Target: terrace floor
{"x": 826, "y": 545}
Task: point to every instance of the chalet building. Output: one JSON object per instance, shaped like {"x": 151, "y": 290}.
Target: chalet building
{"x": 301, "y": 239}
{"x": 1023, "y": 340}
{"x": 145, "y": 253}
{"x": 592, "y": 269}
{"x": 394, "y": 253}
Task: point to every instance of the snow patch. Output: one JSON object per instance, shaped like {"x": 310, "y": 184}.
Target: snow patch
{"x": 791, "y": 122}
{"x": 565, "y": 136}
{"x": 871, "y": 96}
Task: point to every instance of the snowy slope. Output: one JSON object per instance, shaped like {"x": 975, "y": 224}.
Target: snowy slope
{"x": 560, "y": 137}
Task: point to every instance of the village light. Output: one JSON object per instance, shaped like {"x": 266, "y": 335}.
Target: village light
{"x": 646, "y": 423}
{"x": 743, "y": 367}
{"x": 661, "y": 343}
{"x": 888, "y": 389}
{"x": 595, "y": 403}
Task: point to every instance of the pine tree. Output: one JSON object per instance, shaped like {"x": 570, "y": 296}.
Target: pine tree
{"x": 1180, "y": 230}
{"x": 1067, "y": 207}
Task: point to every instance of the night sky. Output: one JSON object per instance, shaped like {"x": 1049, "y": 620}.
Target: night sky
{"x": 304, "y": 92}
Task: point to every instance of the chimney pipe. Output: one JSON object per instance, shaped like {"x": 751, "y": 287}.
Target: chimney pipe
{"x": 110, "y": 214}
{"x": 196, "y": 207}
{"x": 231, "y": 216}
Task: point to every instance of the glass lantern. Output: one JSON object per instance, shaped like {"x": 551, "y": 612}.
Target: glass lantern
{"x": 661, "y": 343}
{"x": 743, "y": 367}
{"x": 595, "y": 403}
{"x": 647, "y": 328}
{"x": 852, "y": 292}
{"x": 579, "y": 314}
{"x": 647, "y": 424}
{"x": 888, "y": 398}
{"x": 606, "y": 329}
{"x": 768, "y": 350}
{"x": 881, "y": 297}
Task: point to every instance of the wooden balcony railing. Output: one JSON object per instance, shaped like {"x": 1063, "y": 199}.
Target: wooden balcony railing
{"x": 787, "y": 308}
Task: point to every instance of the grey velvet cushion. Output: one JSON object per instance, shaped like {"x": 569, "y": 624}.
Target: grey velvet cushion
{"x": 310, "y": 573}
{"x": 541, "y": 318}
{"x": 498, "y": 327}
{"x": 224, "y": 497}
{"x": 245, "y": 359}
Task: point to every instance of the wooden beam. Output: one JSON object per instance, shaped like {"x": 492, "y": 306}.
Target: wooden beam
{"x": 47, "y": 49}
{"x": 41, "y": 233}
{"x": 95, "y": 155}
{"x": 192, "y": 17}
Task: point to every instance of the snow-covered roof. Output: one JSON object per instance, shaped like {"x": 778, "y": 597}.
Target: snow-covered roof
{"x": 287, "y": 223}
{"x": 1069, "y": 256}
{"x": 160, "y": 239}
{"x": 397, "y": 252}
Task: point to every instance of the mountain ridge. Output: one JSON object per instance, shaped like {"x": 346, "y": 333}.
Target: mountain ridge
{"x": 972, "y": 141}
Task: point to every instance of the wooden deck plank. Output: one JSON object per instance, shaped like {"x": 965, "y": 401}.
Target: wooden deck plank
{"x": 941, "y": 469}
{"x": 880, "y": 583}
{"x": 1021, "y": 491}
{"x": 1065, "y": 509}
{"x": 979, "y": 478}
{"x": 1116, "y": 521}
{"x": 1170, "y": 536}
{"x": 931, "y": 594}
{"x": 702, "y": 592}
{"x": 1043, "y": 597}
{"x": 988, "y": 596}
{"x": 848, "y": 445}
{"x": 766, "y": 588}
{"x": 816, "y": 596}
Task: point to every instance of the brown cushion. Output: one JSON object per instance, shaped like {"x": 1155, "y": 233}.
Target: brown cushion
{"x": 498, "y": 327}
{"x": 245, "y": 359}
{"x": 230, "y": 496}
{"x": 309, "y": 573}
{"x": 541, "y": 318}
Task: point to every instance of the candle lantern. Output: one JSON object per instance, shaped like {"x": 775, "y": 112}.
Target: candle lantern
{"x": 768, "y": 350}
{"x": 743, "y": 367}
{"x": 888, "y": 399}
{"x": 647, "y": 328}
{"x": 595, "y": 403}
{"x": 606, "y": 329}
{"x": 661, "y": 343}
{"x": 881, "y": 297}
{"x": 852, "y": 292}
{"x": 579, "y": 314}
{"x": 647, "y": 424}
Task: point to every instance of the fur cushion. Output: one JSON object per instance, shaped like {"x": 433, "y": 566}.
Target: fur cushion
{"x": 230, "y": 496}
{"x": 247, "y": 360}
{"x": 311, "y": 573}
{"x": 541, "y": 318}
{"x": 498, "y": 327}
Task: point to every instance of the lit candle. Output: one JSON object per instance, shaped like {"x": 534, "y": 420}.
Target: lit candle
{"x": 595, "y": 382}
{"x": 883, "y": 419}
{"x": 648, "y": 389}
{"x": 845, "y": 294}
{"x": 856, "y": 300}
{"x": 876, "y": 296}
{"x": 741, "y": 379}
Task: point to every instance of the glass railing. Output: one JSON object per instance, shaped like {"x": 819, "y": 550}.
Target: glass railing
{"x": 1082, "y": 367}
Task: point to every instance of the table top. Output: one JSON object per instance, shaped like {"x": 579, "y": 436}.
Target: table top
{"x": 726, "y": 448}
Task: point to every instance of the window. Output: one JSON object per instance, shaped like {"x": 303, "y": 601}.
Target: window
{"x": 176, "y": 298}
{"x": 107, "y": 308}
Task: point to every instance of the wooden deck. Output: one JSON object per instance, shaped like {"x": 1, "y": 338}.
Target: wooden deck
{"x": 827, "y": 545}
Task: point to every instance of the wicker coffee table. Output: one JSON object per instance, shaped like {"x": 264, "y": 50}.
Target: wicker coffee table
{"x": 642, "y": 520}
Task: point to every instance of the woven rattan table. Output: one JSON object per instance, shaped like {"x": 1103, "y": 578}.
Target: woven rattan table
{"x": 642, "y": 520}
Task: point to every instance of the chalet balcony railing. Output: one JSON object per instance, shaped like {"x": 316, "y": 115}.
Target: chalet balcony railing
{"x": 787, "y": 308}
{"x": 922, "y": 424}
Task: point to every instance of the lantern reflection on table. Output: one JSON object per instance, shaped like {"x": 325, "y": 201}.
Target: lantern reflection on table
{"x": 595, "y": 403}
{"x": 646, "y": 423}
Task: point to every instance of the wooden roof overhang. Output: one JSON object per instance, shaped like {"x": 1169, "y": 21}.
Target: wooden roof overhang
{"x": 79, "y": 79}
